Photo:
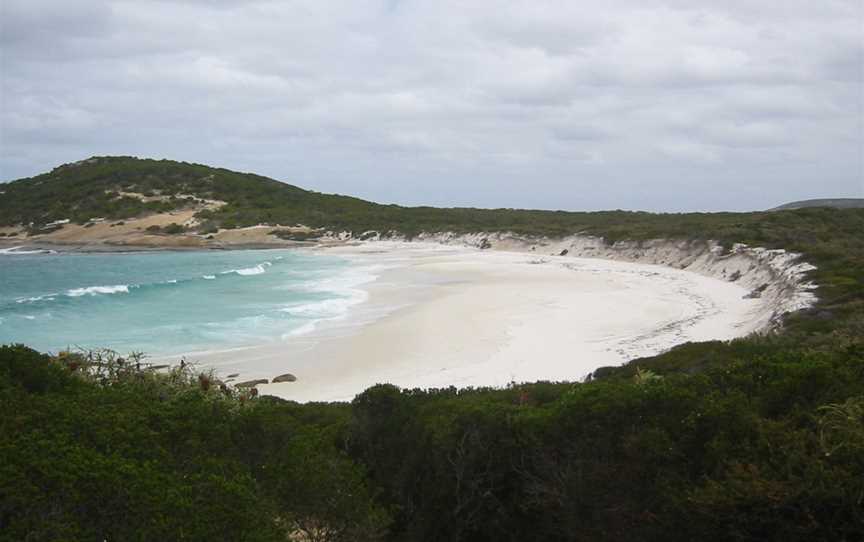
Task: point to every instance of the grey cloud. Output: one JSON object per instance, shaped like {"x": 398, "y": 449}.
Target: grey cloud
{"x": 659, "y": 105}
{"x": 561, "y": 31}
{"x": 579, "y": 132}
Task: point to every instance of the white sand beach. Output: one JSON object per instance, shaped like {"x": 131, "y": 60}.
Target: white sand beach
{"x": 441, "y": 316}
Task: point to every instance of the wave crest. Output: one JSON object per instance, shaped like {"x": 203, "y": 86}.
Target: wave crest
{"x": 14, "y": 251}
{"x": 96, "y": 290}
{"x": 247, "y": 271}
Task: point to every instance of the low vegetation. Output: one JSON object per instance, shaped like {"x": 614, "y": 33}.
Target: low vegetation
{"x": 768, "y": 445}
{"x": 289, "y": 235}
{"x": 171, "y": 229}
{"x": 101, "y": 187}
{"x": 98, "y": 447}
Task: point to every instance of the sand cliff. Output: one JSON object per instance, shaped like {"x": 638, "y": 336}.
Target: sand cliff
{"x": 778, "y": 278}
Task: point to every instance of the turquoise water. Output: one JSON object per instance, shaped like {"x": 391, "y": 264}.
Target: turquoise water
{"x": 171, "y": 302}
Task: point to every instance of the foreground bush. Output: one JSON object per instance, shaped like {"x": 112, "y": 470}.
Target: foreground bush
{"x": 766, "y": 445}
{"x": 100, "y": 448}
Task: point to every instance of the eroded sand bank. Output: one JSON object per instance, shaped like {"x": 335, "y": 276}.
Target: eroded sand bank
{"x": 438, "y": 316}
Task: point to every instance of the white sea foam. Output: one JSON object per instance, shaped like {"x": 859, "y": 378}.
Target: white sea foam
{"x": 17, "y": 250}
{"x": 96, "y": 290}
{"x": 48, "y": 297}
{"x": 322, "y": 311}
{"x": 209, "y": 277}
{"x": 257, "y": 270}
{"x": 91, "y": 290}
{"x": 326, "y": 308}
{"x": 344, "y": 285}
{"x": 345, "y": 282}
{"x": 308, "y": 327}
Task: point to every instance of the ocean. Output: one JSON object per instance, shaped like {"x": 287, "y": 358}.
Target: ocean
{"x": 167, "y": 303}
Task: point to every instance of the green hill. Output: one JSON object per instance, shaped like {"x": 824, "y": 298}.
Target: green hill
{"x": 835, "y": 203}
{"x": 112, "y": 187}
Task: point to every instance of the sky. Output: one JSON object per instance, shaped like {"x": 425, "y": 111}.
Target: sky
{"x": 674, "y": 105}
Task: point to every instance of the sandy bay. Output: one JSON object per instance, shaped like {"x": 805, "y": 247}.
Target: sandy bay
{"x": 444, "y": 316}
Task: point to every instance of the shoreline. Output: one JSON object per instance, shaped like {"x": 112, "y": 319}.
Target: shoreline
{"x": 103, "y": 248}
{"x": 439, "y": 316}
{"x": 406, "y": 324}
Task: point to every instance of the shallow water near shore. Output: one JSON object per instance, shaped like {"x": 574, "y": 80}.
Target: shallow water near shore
{"x": 166, "y": 303}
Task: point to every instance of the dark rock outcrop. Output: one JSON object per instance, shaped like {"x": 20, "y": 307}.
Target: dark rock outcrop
{"x": 757, "y": 293}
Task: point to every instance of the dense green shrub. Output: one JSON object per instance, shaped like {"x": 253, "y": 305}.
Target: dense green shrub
{"x": 101, "y": 448}
{"x": 173, "y": 229}
{"x": 764, "y": 448}
{"x": 289, "y": 235}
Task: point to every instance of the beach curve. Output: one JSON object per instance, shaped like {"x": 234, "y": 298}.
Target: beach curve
{"x": 440, "y": 316}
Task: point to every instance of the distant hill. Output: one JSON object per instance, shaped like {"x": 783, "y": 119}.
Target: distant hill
{"x": 119, "y": 188}
{"x": 836, "y": 203}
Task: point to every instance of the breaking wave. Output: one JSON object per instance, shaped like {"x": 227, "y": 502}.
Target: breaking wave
{"x": 96, "y": 290}
{"x": 14, "y": 251}
{"x": 344, "y": 286}
{"x": 257, "y": 270}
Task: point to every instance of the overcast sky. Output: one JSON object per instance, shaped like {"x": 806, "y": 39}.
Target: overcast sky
{"x": 669, "y": 106}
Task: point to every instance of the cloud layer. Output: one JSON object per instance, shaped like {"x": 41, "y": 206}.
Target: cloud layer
{"x": 653, "y": 105}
